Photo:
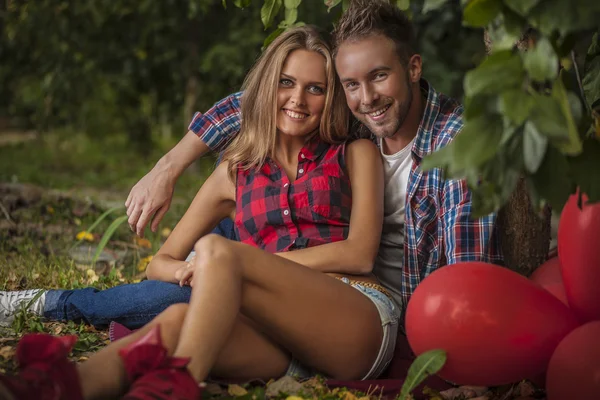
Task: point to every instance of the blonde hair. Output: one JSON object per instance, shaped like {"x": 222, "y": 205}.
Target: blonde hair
{"x": 257, "y": 138}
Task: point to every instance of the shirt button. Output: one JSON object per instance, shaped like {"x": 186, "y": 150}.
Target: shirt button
{"x": 286, "y": 185}
{"x": 286, "y": 212}
{"x": 300, "y": 171}
{"x": 302, "y": 156}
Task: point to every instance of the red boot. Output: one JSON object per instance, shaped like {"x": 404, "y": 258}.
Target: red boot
{"x": 154, "y": 374}
{"x": 45, "y": 372}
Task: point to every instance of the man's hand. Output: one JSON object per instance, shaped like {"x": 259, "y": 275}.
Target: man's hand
{"x": 150, "y": 199}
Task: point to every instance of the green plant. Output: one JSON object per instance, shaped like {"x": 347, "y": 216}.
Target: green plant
{"x": 428, "y": 363}
{"x": 532, "y": 114}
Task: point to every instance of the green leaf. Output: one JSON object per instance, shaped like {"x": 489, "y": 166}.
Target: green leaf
{"x": 430, "y": 5}
{"x": 291, "y": 15}
{"x": 500, "y": 71}
{"x": 516, "y": 104}
{"x": 268, "y": 12}
{"x": 428, "y": 363}
{"x": 474, "y": 145}
{"x": 242, "y": 3}
{"x": 291, "y": 3}
{"x": 522, "y": 7}
{"x": 571, "y": 109}
{"x": 272, "y": 36}
{"x": 505, "y": 31}
{"x": 551, "y": 182}
{"x": 99, "y": 220}
{"x": 541, "y": 62}
{"x": 481, "y": 104}
{"x": 403, "y": 4}
{"x": 534, "y": 147}
{"x": 112, "y": 228}
{"x": 479, "y": 13}
{"x": 591, "y": 77}
{"x": 564, "y": 16}
{"x": 331, "y": 3}
{"x": 585, "y": 167}
{"x": 549, "y": 119}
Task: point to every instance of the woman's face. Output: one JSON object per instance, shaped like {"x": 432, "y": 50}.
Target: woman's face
{"x": 301, "y": 93}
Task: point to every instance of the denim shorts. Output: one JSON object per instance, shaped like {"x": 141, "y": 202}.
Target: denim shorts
{"x": 389, "y": 315}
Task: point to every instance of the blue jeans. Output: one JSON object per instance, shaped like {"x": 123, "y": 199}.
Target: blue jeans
{"x": 132, "y": 305}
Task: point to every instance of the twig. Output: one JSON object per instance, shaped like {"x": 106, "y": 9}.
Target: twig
{"x": 6, "y": 214}
{"x": 579, "y": 82}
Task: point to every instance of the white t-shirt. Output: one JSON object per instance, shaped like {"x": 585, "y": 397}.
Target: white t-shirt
{"x": 390, "y": 258}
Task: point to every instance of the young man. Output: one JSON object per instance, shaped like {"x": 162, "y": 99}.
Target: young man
{"x": 427, "y": 222}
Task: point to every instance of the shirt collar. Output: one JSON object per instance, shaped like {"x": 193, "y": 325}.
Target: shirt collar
{"x": 313, "y": 148}
{"x": 424, "y": 139}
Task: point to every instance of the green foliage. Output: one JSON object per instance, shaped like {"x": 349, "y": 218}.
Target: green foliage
{"x": 522, "y": 118}
{"x": 428, "y": 363}
{"x": 519, "y": 107}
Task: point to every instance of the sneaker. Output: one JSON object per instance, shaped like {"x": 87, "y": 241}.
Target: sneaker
{"x": 12, "y": 302}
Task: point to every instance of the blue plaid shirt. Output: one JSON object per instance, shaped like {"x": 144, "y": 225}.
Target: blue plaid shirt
{"x": 438, "y": 229}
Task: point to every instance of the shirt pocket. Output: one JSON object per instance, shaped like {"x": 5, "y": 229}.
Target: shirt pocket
{"x": 425, "y": 212}
{"x": 329, "y": 200}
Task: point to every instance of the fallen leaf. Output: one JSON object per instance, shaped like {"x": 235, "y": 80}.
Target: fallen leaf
{"x": 214, "y": 389}
{"x": 91, "y": 276}
{"x": 286, "y": 384}
{"x": 236, "y": 390}
{"x": 142, "y": 242}
{"x": 50, "y": 209}
{"x": 143, "y": 264}
{"x": 7, "y": 352}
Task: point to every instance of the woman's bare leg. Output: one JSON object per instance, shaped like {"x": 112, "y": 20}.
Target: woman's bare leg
{"x": 320, "y": 320}
{"x": 103, "y": 375}
{"x": 248, "y": 354}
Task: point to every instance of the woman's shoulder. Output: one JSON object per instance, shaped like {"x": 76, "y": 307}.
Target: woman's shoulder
{"x": 361, "y": 147}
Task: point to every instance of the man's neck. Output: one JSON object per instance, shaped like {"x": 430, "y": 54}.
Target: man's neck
{"x": 410, "y": 127}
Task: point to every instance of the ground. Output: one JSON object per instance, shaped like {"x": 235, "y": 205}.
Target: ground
{"x": 53, "y": 188}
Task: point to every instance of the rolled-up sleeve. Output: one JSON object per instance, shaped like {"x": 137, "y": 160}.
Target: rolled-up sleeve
{"x": 220, "y": 123}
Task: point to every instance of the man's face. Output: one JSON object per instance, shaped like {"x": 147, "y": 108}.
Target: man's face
{"x": 378, "y": 87}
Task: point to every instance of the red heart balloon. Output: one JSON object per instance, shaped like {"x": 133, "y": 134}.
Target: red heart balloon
{"x": 549, "y": 276}
{"x": 579, "y": 252}
{"x": 496, "y": 326}
{"x": 574, "y": 369}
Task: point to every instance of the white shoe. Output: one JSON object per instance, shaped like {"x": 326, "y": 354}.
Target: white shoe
{"x": 12, "y": 302}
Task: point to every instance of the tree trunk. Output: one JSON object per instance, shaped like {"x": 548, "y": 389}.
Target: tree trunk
{"x": 524, "y": 233}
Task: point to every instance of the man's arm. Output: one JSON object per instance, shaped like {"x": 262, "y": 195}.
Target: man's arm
{"x": 465, "y": 238}
{"x": 214, "y": 201}
{"x": 151, "y": 197}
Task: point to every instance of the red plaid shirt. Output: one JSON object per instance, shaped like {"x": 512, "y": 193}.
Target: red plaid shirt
{"x": 277, "y": 215}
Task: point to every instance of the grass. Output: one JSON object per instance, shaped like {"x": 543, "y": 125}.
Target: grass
{"x": 77, "y": 179}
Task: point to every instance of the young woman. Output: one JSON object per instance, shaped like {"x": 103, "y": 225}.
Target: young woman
{"x": 295, "y": 295}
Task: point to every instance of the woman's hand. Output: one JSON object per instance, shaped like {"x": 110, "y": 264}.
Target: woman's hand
{"x": 185, "y": 274}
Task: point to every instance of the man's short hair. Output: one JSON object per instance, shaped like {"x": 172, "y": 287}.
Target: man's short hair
{"x": 365, "y": 18}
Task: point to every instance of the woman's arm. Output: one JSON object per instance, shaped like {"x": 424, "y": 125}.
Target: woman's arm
{"x": 215, "y": 200}
{"x": 357, "y": 253}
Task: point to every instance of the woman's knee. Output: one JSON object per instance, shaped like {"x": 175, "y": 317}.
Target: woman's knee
{"x": 214, "y": 250}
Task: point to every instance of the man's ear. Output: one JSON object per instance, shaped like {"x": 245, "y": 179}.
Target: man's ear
{"x": 415, "y": 68}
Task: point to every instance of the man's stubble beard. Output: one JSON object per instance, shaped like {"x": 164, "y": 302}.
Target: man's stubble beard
{"x": 396, "y": 123}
